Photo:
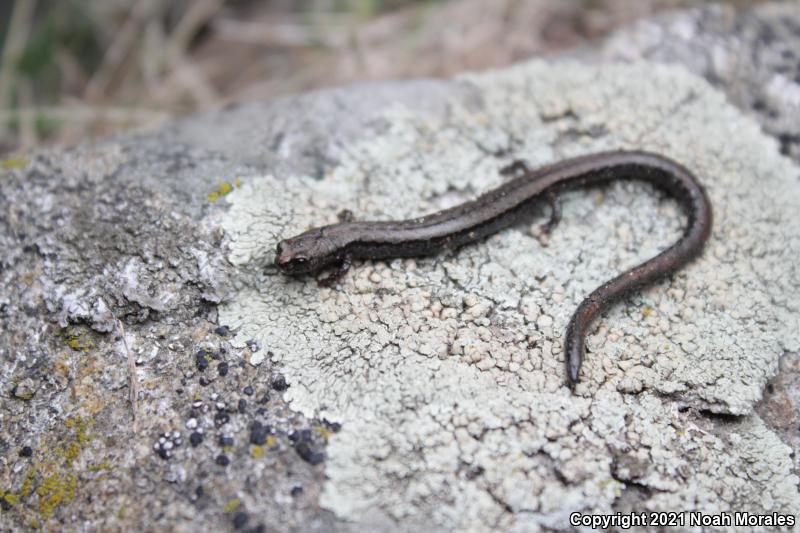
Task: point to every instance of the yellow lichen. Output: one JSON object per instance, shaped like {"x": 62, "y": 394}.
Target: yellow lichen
{"x": 52, "y": 480}
{"x": 77, "y": 342}
{"x": 98, "y": 467}
{"x": 223, "y": 189}
{"x": 71, "y": 452}
{"x": 232, "y": 505}
{"x": 257, "y": 452}
{"x": 80, "y": 426}
{"x": 648, "y": 312}
{"x": 270, "y": 441}
{"x": 324, "y": 432}
{"x": 14, "y": 163}
{"x": 27, "y": 485}
{"x": 55, "y": 490}
{"x": 10, "y": 497}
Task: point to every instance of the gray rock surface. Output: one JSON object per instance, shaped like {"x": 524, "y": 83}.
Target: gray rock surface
{"x": 753, "y": 56}
{"x": 446, "y": 373}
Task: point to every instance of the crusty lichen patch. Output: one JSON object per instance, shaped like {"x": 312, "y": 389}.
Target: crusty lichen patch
{"x": 55, "y": 476}
{"x": 447, "y": 372}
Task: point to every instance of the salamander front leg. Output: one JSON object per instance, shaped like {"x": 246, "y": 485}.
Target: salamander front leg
{"x": 336, "y": 275}
{"x": 345, "y": 215}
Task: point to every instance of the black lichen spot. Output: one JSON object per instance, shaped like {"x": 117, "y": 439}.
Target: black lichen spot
{"x": 223, "y": 331}
{"x": 259, "y": 433}
{"x": 195, "y": 438}
{"x": 166, "y": 444}
{"x": 201, "y": 360}
{"x": 302, "y": 435}
{"x": 333, "y": 426}
{"x": 222, "y": 368}
{"x": 279, "y": 383}
{"x": 26, "y": 451}
{"x": 239, "y": 520}
{"x": 297, "y": 491}
{"x": 302, "y": 445}
{"x": 221, "y": 418}
{"x": 306, "y": 453}
{"x": 222, "y": 460}
{"x": 248, "y": 390}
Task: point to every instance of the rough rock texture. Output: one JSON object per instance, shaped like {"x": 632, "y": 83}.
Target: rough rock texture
{"x": 104, "y": 278}
{"x": 753, "y": 56}
{"x": 113, "y": 265}
{"x": 446, "y": 373}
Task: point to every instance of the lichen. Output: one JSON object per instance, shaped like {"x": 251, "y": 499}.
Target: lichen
{"x": 79, "y": 342}
{"x": 53, "y": 479}
{"x": 324, "y": 432}
{"x": 232, "y": 505}
{"x": 12, "y": 163}
{"x": 449, "y": 370}
{"x": 11, "y": 498}
{"x": 224, "y": 189}
{"x": 55, "y": 490}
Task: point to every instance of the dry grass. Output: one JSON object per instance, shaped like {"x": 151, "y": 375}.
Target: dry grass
{"x": 75, "y": 69}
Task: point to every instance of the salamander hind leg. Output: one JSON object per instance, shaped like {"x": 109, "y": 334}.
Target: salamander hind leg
{"x": 516, "y": 168}
{"x": 555, "y": 213}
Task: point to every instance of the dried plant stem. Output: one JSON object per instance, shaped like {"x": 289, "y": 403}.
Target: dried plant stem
{"x": 133, "y": 382}
{"x": 85, "y": 113}
{"x": 18, "y": 28}
{"x": 119, "y": 49}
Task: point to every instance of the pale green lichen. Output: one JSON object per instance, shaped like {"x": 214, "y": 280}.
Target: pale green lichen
{"x": 449, "y": 370}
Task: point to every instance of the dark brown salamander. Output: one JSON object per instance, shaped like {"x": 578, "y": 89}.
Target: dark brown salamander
{"x": 338, "y": 244}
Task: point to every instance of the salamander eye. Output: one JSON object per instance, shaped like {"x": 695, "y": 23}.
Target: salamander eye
{"x": 300, "y": 260}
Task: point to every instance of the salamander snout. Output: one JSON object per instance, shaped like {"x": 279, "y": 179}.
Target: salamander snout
{"x": 304, "y": 254}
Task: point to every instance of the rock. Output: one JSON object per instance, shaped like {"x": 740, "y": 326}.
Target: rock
{"x": 544, "y": 450}
{"x": 453, "y": 410}
{"x": 24, "y": 390}
{"x": 752, "y": 55}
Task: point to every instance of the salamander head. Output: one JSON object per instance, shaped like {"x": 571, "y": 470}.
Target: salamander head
{"x": 306, "y": 253}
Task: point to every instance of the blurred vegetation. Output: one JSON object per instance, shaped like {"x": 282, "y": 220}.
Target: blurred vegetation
{"x": 74, "y": 69}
